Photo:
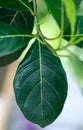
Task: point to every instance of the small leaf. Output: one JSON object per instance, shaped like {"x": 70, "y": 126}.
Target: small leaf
{"x": 12, "y": 43}
{"x": 42, "y": 11}
{"x": 71, "y": 13}
{"x": 40, "y": 85}
{"x": 9, "y": 16}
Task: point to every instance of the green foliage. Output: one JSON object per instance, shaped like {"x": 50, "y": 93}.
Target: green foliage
{"x": 79, "y": 26}
{"x": 9, "y": 47}
{"x": 40, "y": 83}
{"x": 15, "y": 4}
{"x": 11, "y": 17}
{"x": 12, "y": 32}
{"x": 71, "y": 16}
{"x": 57, "y": 12}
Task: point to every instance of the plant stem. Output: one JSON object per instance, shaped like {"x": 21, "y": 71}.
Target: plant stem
{"x": 39, "y": 36}
{"x": 62, "y": 24}
{"x": 36, "y": 17}
{"x": 62, "y": 19}
{"x": 74, "y": 35}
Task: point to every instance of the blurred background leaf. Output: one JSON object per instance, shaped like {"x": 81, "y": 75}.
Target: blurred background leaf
{"x": 15, "y": 4}
{"x": 71, "y": 16}
{"x": 22, "y": 19}
{"x": 11, "y": 46}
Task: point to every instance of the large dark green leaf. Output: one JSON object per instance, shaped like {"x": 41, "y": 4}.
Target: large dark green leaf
{"x": 11, "y": 43}
{"x": 22, "y": 19}
{"x": 14, "y": 4}
{"x": 40, "y": 85}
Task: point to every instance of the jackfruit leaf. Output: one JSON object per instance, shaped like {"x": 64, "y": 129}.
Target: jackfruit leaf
{"x": 9, "y": 16}
{"x": 11, "y": 43}
{"x": 40, "y": 85}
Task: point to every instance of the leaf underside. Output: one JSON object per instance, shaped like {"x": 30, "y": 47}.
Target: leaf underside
{"x": 40, "y": 85}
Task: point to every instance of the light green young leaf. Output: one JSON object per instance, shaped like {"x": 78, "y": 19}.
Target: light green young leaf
{"x": 71, "y": 13}
{"x": 42, "y": 11}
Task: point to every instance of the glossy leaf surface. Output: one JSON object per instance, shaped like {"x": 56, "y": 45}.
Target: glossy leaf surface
{"x": 40, "y": 85}
{"x": 11, "y": 43}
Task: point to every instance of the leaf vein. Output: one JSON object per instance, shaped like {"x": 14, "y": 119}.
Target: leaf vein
{"x": 56, "y": 92}
{"x": 54, "y": 73}
{"x": 24, "y": 82}
{"x": 36, "y": 85}
{"x": 40, "y": 59}
{"x": 24, "y": 66}
{"x": 50, "y": 106}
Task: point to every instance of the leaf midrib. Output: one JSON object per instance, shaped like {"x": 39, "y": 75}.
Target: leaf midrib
{"x": 41, "y": 93}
